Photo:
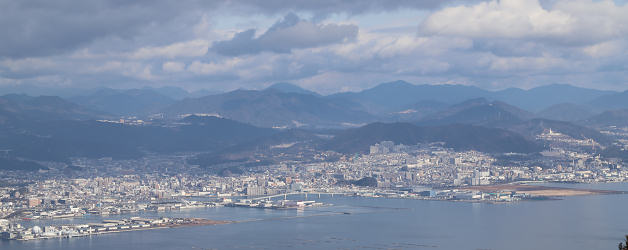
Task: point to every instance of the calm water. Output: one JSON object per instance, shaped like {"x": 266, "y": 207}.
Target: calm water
{"x": 585, "y": 222}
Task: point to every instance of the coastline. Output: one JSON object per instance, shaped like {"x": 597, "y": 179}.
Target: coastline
{"x": 541, "y": 191}
{"x": 96, "y": 230}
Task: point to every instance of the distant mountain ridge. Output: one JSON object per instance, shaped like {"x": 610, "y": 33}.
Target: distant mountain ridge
{"x": 496, "y": 114}
{"x": 125, "y": 102}
{"x": 478, "y": 111}
{"x": 542, "y": 97}
{"x": 567, "y": 112}
{"x": 617, "y": 117}
{"x": 387, "y": 101}
{"x": 53, "y": 129}
{"x": 611, "y": 101}
{"x": 291, "y": 88}
{"x": 23, "y": 108}
{"x": 393, "y": 96}
{"x": 273, "y": 108}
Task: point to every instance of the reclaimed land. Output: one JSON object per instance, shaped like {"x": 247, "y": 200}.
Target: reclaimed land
{"x": 540, "y": 191}
{"x": 200, "y": 222}
{"x": 187, "y": 223}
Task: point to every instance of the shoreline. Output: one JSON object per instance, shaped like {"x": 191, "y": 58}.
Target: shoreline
{"x": 187, "y": 222}
{"x": 541, "y": 191}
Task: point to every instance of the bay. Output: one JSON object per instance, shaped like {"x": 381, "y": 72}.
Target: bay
{"x": 581, "y": 222}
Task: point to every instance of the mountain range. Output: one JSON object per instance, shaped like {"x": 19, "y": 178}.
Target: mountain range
{"x": 132, "y": 102}
{"x": 61, "y": 139}
{"x": 287, "y": 105}
{"x": 18, "y": 108}
{"x": 235, "y": 124}
{"x": 274, "y": 108}
{"x": 609, "y": 118}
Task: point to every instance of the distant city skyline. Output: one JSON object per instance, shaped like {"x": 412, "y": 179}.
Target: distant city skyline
{"x": 324, "y": 46}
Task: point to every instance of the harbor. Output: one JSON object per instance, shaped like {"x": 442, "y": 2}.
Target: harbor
{"x": 15, "y": 231}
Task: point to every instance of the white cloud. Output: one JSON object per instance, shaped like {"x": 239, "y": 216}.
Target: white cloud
{"x": 194, "y": 48}
{"x": 527, "y": 64}
{"x": 173, "y": 67}
{"x": 212, "y": 68}
{"x": 606, "y": 49}
{"x": 27, "y": 64}
{"x": 566, "y": 22}
{"x": 596, "y": 20}
{"x": 505, "y": 19}
{"x": 124, "y": 68}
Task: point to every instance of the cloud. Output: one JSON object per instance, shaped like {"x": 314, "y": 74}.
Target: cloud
{"x": 326, "y": 7}
{"x": 285, "y": 35}
{"x": 213, "y": 68}
{"x": 331, "y": 46}
{"x": 194, "y": 48}
{"x": 40, "y": 28}
{"x": 504, "y": 19}
{"x": 33, "y": 28}
{"x": 173, "y": 67}
{"x": 564, "y": 22}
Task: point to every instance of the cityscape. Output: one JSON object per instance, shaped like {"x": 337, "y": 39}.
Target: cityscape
{"x": 425, "y": 171}
{"x": 299, "y": 124}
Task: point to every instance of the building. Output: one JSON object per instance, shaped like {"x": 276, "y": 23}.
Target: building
{"x": 33, "y": 202}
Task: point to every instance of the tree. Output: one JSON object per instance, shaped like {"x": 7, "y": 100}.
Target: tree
{"x": 623, "y": 246}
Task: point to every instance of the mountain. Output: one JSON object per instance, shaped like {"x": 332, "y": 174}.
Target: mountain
{"x": 609, "y": 118}
{"x": 382, "y": 100}
{"x": 38, "y": 90}
{"x": 203, "y": 92}
{"x": 125, "y": 102}
{"x": 16, "y": 164}
{"x": 22, "y": 108}
{"x": 272, "y": 108}
{"x": 60, "y": 140}
{"x": 295, "y": 141}
{"x": 394, "y": 96}
{"x": 457, "y": 136}
{"x": 478, "y": 111}
{"x": 566, "y": 112}
{"x": 171, "y": 92}
{"x": 532, "y": 128}
{"x": 291, "y": 88}
{"x": 496, "y": 114}
{"x": 611, "y": 101}
{"x": 416, "y": 111}
{"x": 538, "y": 98}
{"x": 615, "y": 151}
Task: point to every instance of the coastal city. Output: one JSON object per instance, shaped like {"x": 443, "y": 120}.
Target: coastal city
{"x": 296, "y": 124}
{"x": 106, "y": 186}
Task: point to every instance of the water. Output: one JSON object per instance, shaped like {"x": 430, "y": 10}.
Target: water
{"x": 584, "y": 222}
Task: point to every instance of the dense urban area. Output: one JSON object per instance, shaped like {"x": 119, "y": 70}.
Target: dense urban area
{"x": 165, "y": 182}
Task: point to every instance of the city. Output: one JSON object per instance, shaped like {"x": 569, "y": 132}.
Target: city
{"x": 300, "y": 124}
{"x": 425, "y": 171}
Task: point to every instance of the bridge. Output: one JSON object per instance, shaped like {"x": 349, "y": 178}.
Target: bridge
{"x": 285, "y": 195}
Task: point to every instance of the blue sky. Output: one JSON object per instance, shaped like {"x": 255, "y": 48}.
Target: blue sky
{"x": 327, "y": 46}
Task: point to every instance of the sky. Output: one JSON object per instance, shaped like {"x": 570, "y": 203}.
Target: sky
{"x": 326, "y": 46}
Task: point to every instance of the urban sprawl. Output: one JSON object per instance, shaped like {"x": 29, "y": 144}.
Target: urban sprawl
{"x": 166, "y": 182}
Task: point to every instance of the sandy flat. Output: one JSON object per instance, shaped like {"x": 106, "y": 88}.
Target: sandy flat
{"x": 538, "y": 190}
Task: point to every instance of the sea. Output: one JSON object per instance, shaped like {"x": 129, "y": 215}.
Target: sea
{"x": 580, "y": 222}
